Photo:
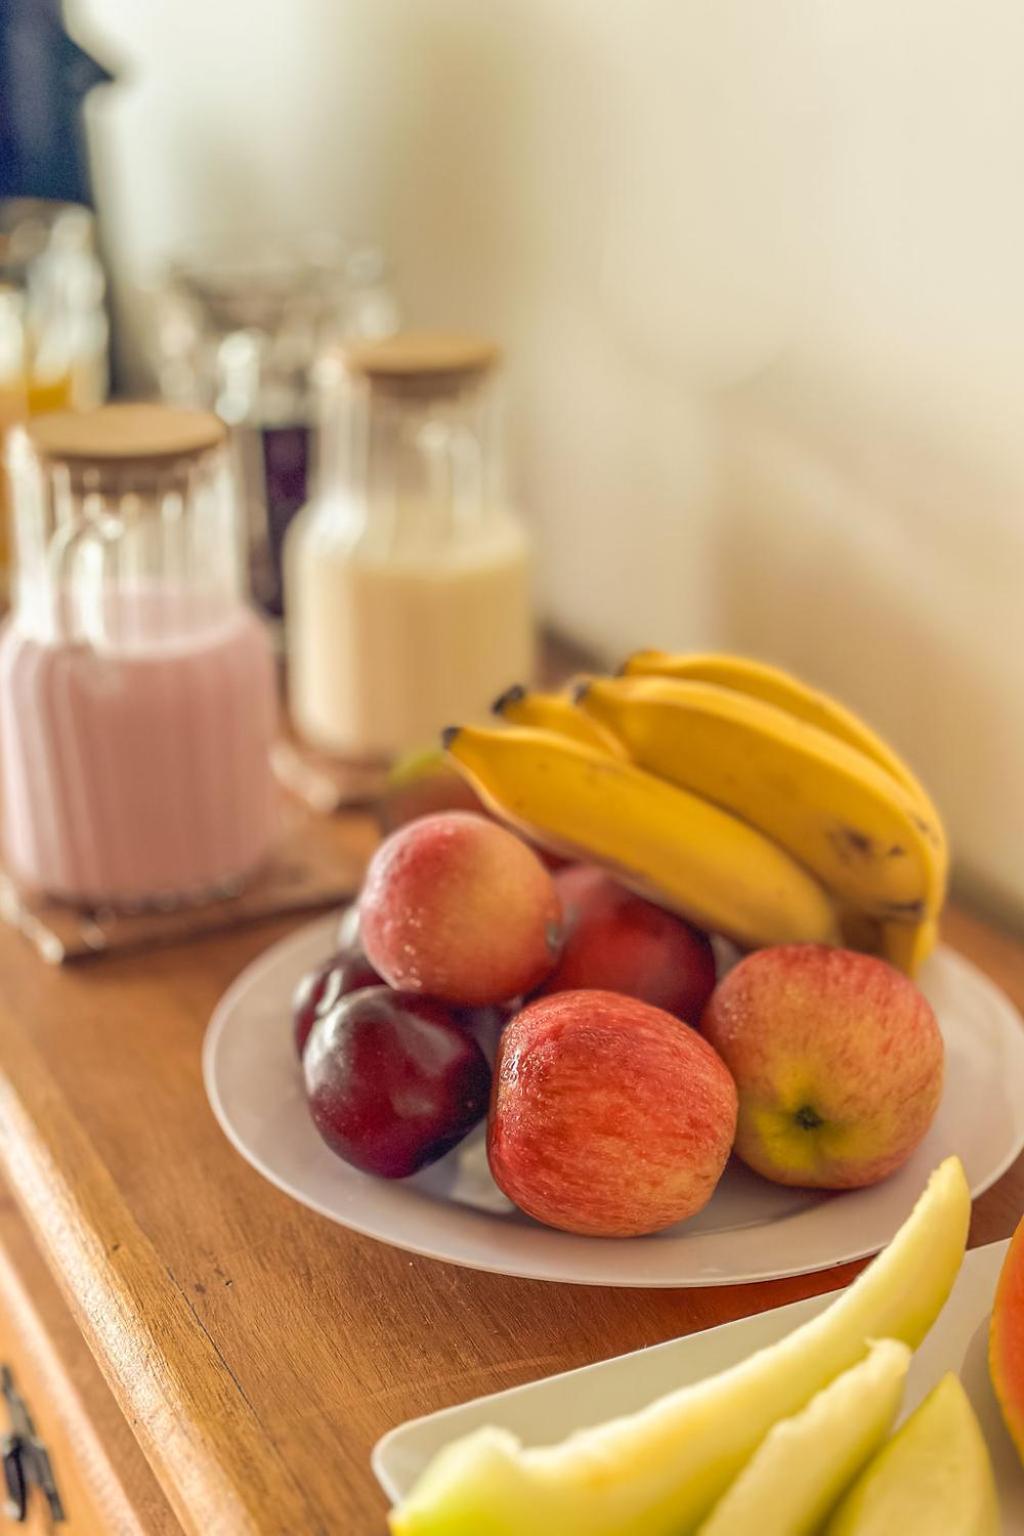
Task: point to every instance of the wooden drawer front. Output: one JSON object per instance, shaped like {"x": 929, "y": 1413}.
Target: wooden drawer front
{"x": 57, "y": 1415}
{"x": 104, "y": 1481}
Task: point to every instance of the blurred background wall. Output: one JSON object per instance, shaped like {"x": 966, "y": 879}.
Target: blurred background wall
{"x": 759, "y": 270}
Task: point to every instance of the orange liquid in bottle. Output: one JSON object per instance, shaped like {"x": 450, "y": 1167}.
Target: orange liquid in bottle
{"x": 45, "y": 395}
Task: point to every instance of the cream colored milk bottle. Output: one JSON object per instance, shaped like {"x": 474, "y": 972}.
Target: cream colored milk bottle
{"x": 408, "y": 577}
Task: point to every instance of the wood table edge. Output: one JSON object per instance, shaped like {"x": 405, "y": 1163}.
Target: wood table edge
{"x": 221, "y": 1472}
{"x": 99, "y": 1464}
{"x": 166, "y": 1374}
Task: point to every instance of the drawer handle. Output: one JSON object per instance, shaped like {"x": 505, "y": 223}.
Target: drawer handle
{"x": 15, "y": 1481}
{"x": 26, "y": 1461}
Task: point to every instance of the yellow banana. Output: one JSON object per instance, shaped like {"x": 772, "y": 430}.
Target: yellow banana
{"x": 671, "y": 846}
{"x": 905, "y": 945}
{"x": 831, "y": 808}
{"x": 772, "y": 685}
{"x": 554, "y": 712}
{"x": 908, "y": 945}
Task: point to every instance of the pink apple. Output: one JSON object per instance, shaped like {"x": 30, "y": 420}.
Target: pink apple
{"x": 608, "y": 1117}
{"x": 838, "y": 1061}
{"x": 616, "y": 941}
{"x": 460, "y": 908}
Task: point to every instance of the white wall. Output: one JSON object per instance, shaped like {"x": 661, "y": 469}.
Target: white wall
{"x": 760, "y": 265}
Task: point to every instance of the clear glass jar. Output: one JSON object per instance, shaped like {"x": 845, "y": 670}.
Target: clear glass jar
{"x": 13, "y": 406}
{"x": 245, "y": 339}
{"x": 49, "y": 253}
{"x": 408, "y": 576}
{"x": 137, "y": 690}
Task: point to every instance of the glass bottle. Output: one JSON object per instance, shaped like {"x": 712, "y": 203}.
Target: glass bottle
{"x": 246, "y": 339}
{"x": 408, "y": 576}
{"x": 137, "y": 690}
{"x": 13, "y": 405}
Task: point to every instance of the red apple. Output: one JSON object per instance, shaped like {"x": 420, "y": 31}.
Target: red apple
{"x": 616, "y": 941}
{"x": 458, "y": 907}
{"x": 838, "y": 1060}
{"x": 393, "y": 1082}
{"x": 322, "y": 989}
{"x": 608, "y": 1117}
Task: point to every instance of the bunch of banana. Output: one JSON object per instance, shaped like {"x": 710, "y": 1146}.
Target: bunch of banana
{"x": 556, "y": 712}
{"x": 729, "y": 791}
{"x": 902, "y": 938}
{"x": 675, "y": 847}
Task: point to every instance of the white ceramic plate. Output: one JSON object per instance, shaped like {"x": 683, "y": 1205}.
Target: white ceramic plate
{"x": 546, "y": 1411}
{"x": 751, "y": 1230}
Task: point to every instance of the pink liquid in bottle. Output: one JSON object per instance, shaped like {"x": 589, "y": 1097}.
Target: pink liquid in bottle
{"x": 139, "y": 772}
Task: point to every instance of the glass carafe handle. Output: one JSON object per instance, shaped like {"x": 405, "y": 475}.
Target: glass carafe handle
{"x": 78, "y": 616}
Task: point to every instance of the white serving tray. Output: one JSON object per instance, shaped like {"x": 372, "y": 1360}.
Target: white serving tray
{"x": 545, "y": 1411}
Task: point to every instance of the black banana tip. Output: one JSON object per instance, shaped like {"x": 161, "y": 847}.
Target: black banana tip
{"x": 510, "y": 696}
{"x": 449, "y": 734}
{"x": 580, "y": 690}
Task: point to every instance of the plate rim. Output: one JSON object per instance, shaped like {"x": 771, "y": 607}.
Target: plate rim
{"x": 270, "y": 959}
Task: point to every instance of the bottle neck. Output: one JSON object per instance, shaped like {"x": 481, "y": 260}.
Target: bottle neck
{"x": 110, "y": 555}
{"x": 416, "y": 472}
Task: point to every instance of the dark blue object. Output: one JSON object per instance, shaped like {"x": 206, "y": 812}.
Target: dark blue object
{"x": 44, "y": 78}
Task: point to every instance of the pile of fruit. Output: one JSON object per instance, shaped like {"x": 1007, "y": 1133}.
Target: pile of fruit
{"x": 742, "y": 804}
{"x": 795, "y": 1439}
{"x": 728, "y": 791}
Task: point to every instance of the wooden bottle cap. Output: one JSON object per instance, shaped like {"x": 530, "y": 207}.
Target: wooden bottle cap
{"x": 424, "y": 362}
{"x": 132, "y": 433}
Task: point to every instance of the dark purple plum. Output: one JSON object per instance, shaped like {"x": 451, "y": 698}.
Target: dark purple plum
{"x": 324, "y": 988}
{"x": 393, "y": 1081}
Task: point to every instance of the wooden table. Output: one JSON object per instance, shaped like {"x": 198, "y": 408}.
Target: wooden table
{"x": 256, "y": 1351}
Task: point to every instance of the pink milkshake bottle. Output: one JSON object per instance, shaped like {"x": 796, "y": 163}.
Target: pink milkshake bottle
{"x": 137, "y": 689}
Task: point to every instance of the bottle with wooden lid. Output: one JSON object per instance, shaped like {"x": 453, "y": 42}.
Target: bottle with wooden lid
{"x": 408, "y": 577}
{"x": 137, "y": 690}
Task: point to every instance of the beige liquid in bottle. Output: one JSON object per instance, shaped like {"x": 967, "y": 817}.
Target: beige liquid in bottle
{"x": 407, "y": 579}
{"x": 387, "y": 649}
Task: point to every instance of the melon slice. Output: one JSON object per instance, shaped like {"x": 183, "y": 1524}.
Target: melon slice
{"x": 1006, "y": 1340}
{"x": 933, "y": 1476}
{"x": 805, "y": 1463}
{"x": 660, "y": 1471}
